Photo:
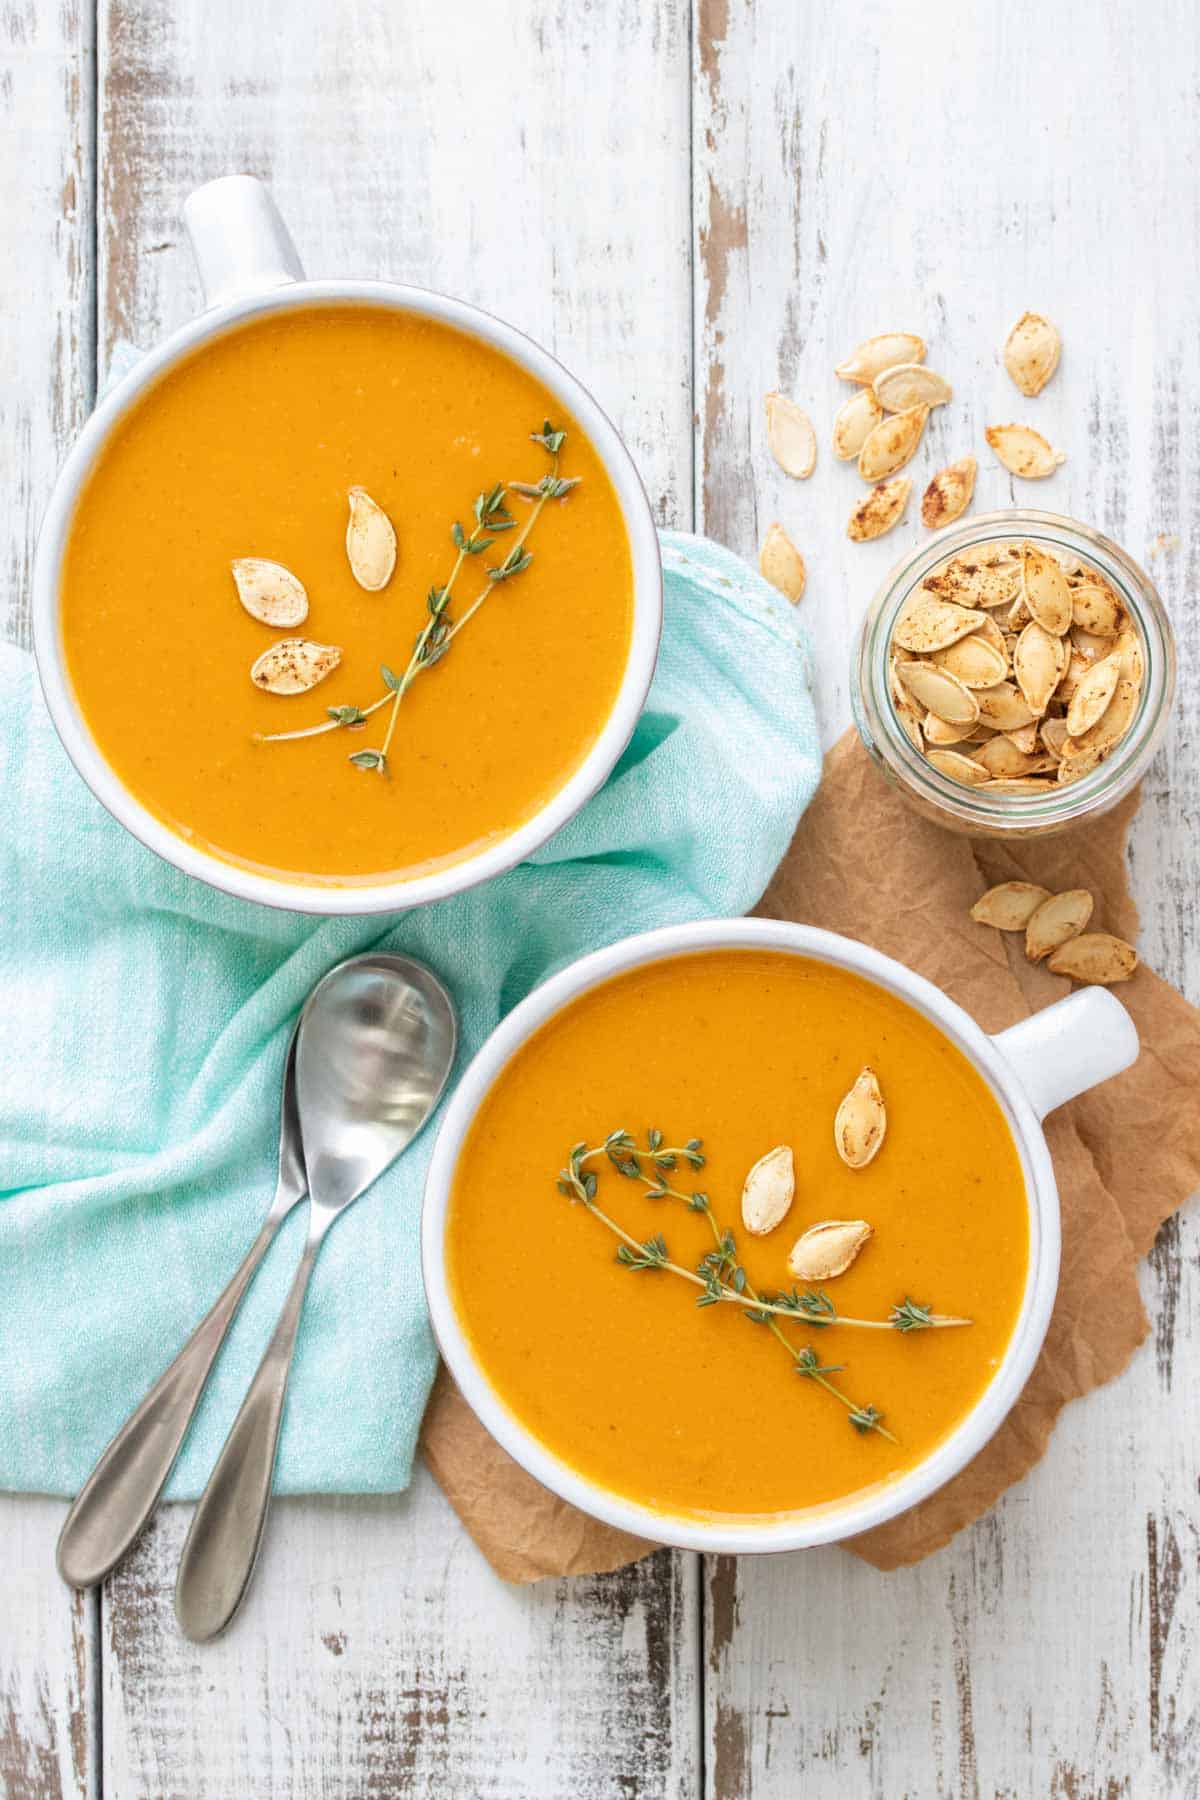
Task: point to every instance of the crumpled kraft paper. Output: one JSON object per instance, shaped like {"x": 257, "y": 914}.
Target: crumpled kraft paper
{"x": 1126, "y": 1155}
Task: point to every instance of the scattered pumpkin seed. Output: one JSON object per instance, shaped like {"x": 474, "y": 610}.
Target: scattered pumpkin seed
{"x": 782, "y": 565}
{"x": 892, "y": 442}
{"x": 1031, "y": 352}
{"x": 1057, "y": 919}
{"x": 876, "y": 354}
{"x": 1010, "y": 906}
{"x": 370, "y": 542}
{"x": 269, "y": 592}
{"x": 791, "y": 436}
{"x": 879, "y": 510}
{"x": 1024, "y": 451}
{"x": 768, "y": 1190}
{"x": 827, "y": 1249}
{"x": 1096, "y": 958}
{"x": 905, "y": 385}
{"x": 861, "y": 1121}
{"x": 949, "y": 493}
{"x": 854, "y": 423}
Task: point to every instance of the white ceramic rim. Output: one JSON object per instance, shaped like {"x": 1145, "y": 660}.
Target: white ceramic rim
{"x": 825, "y": 1525}
{"x": 496, "y": 858}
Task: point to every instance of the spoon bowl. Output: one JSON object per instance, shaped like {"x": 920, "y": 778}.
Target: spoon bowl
{"x": 376, "y": 1044}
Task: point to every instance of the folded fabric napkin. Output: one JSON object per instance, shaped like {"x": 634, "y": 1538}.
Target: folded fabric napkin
{"x": 144, "y": 1020}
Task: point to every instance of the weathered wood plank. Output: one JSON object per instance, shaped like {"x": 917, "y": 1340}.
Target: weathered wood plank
{"x": 48, "y": 1661}
{"x": 378, "y": 1654}
{"x": 918, "y": 172}
{"x": 46, "y": 269}
{"x": 49, "y": 1664}
{"x": 533, "y": 159}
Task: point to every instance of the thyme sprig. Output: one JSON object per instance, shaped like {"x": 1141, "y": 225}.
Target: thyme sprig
{"x": 492, "y": 517}
{"x": 720, "y": 1274}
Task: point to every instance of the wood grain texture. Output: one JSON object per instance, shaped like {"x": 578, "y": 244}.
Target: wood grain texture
{"x": 540, "y": 176}
{"x": 49, "y": 1715}
{"x": 921, "y": 172}
{"x": 49, "y": 1664}
{"x": 46, "y": 269}
{"x": 378, "y": 1655}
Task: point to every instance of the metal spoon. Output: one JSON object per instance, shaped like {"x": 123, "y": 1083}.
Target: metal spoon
{"x": 375, "y": 1048}
{"x": 115, "y": 1502}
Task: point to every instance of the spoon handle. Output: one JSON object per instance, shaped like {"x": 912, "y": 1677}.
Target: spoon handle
{"x": 122, "y": 1491}
{"x": 227, "y": 1527}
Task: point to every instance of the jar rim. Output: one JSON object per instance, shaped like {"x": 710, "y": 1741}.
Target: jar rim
{"x": 1062, "y": 804}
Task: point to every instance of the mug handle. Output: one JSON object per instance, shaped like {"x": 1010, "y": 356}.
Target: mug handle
{"x": 239, "y": 240}
{"x": 1069, "y": 1047}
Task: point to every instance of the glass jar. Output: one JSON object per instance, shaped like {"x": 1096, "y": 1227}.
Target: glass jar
{"x": 970, "y": 809}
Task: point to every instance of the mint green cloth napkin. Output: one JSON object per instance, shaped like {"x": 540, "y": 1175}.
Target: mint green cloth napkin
{"x": 144, "y": 1019}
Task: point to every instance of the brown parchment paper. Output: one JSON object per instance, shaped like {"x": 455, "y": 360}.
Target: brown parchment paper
{"x": 1126, "y": 1155}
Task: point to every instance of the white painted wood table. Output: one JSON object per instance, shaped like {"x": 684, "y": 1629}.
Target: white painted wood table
{"x": 690, "y": 203}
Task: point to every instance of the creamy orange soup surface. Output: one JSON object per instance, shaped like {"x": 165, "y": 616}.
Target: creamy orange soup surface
{"x": 697, "y": 1411}
{"x": 249, "y": 449}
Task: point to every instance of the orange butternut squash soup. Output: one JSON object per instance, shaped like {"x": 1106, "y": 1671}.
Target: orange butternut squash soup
{"x": 322, "y": 497}
{"x": 699, "y": 1373}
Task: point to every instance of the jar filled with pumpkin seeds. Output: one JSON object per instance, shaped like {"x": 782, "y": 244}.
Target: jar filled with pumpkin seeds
{"x": 1014, "y": 674}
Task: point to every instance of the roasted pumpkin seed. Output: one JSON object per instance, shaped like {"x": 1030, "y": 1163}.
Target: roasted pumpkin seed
{"x": 791, "y": 436}
{"x": 956, "y": 767}
{"x": 939, "y": 692}
{"x": 876, "y": 354}
{"x": 882, "y": 508}
{"x": 269, "y": 592}
{"x": 294, "y": 665}
{"x": 1060, "y": 917}
{"x": 1024, "y": 451}
{"x": 1031, "y": 352}
{"x": 977, "y": 663}
{"x": 827, "y": 1249}
{"x": 1095, "y": 957}
{"x": 861, "y": 1121}
{"x": 768, "y": 1191}
{"x": 854, "y": 423}
{"x": 932, "y": 624}
{"x": 1093, "y": 695}
{"x": 1039, "y": 663}
{"x": 910, "y": 384}
{"x": 782, "y": 565}
{"x": 370, "y": 542}
{"x": 1010, "y": 906}
{"x": 949, "y": 493}
{"x": 892, "y": 442}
